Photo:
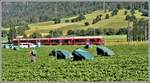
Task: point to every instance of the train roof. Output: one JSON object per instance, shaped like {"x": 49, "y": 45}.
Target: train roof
{"x": 80, "y": 37}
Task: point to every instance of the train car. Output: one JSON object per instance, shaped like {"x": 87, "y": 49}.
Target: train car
{"x": 94, "y": 40}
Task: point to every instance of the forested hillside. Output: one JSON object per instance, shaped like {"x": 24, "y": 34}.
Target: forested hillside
{"x": 19, "y": 13}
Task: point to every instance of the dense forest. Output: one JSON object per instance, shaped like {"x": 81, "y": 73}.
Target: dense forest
{"x": 20, "y": 13}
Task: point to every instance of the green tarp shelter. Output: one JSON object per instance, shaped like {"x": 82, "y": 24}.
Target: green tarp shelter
{"x": 11, "y": 46}
{"x": 104, "y": 51}
{"x": 80, "y": 54}
{"x": 61, "y": 54}
{"x": 8, "y": 46}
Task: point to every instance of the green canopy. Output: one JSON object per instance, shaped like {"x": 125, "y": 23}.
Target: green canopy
{"x": 61, "y": 54}
{"x": 104, "y": 51}
{"x": 80, "y": 54}
{"x": 9, "y": 46}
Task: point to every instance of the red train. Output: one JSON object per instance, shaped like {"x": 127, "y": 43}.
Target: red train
{"x": 94, "y": 40}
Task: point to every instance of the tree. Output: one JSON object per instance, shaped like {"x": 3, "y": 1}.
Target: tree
{"x": 35, "y": 35}
{"x": 121, "y": 31}
{"x": 4, "y": 33}
{"x": 130, "y": 18}
{"x": 56, "y": 20}
{"x": 70, "y": 32}
{"x": 81, "y": 32}
{"x": 107, "y": 16}
{"x": 25, "y": 36}
{"x": 144, "y": 12}
{"x": 125, "y": 12}
{"x": 133, "y": 17}
{"x": 55, "y": 33}
{"x": 140, "y": 29}
{"x": 98, "y": 31}
{"x": 114, "y": 12}
{"x": 109, "y": 31}
{"x": 66, "y": 21}
{"x": 21, "y": 29}
{"x": 90, "y": 31}
{"x": 99, "y": 17}
{"x": 86, "y": 23}
{"x": 132, "y": 11}
{"x": 22, "y": 12}
{"x": 12, "y": 34}
{"x": 118, "y": 6}
{"x": 127, "y": 17}
{"x": 43, "y": 18}
{"x": 81, "y": 17}
{"x": 129, "y": 7}
{"x": 129, "y": 33}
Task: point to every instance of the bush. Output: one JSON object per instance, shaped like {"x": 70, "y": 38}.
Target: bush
{"x": 122, "y": 31}
{"x": 114, "y": 12}
{"x": 132, "y": 11}
{"x": 70, "y": 32}
{"x": 90, "y": 31}
{"x": 86, "y": 23}
{"x": 144, "y": 12}
{"x": 12, "y": 34}
{"x": 66, "y": 21}
{"x": 54, "y": 33}
{"x": 94, "y": 21}
{"x": 25, "y": 36}
{"x": 119, "y": 6}
{"x": 127, "y": 17}
{"x": 133, "y": 17}
{"x": 98, "y": 31}
{"x": 107, "y": 16}
{"x": 97, "y": 19}
{"x": 35, "y": 35}
{"x": 125, "y": 12}
{"x": 139, "y": 9}
{"x": 79, "y": 18}
{"x": 81, "y": 32}
{"x": 109, "y": 31}
{"x": 56, "y": 20}
{"x": 4, "y": 33}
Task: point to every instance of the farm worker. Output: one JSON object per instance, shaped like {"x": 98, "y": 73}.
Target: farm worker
{"x": 33, "y": 55}
{"x": 38, "y": 44}
{"x": 88, "y": 44}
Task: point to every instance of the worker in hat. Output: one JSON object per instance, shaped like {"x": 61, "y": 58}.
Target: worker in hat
{"x": 33, "y": 54}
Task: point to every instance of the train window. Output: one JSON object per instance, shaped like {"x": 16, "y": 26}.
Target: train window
{"x": 92, "y": 40}
{"x": 23, "y": 40}
{"x": 43, "y": 41}
{"x": 56, "y": 41}
{"x": 15, "y": 42}
{"x": 80, "y": 40}
{"x": 66, "y": 41}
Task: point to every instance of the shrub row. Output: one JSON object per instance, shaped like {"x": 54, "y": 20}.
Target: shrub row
{"x": 92, "y": 32}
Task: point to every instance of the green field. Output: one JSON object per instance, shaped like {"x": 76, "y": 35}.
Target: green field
{"x": 129, "y": 63}
{"x": 115, "y": 22}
